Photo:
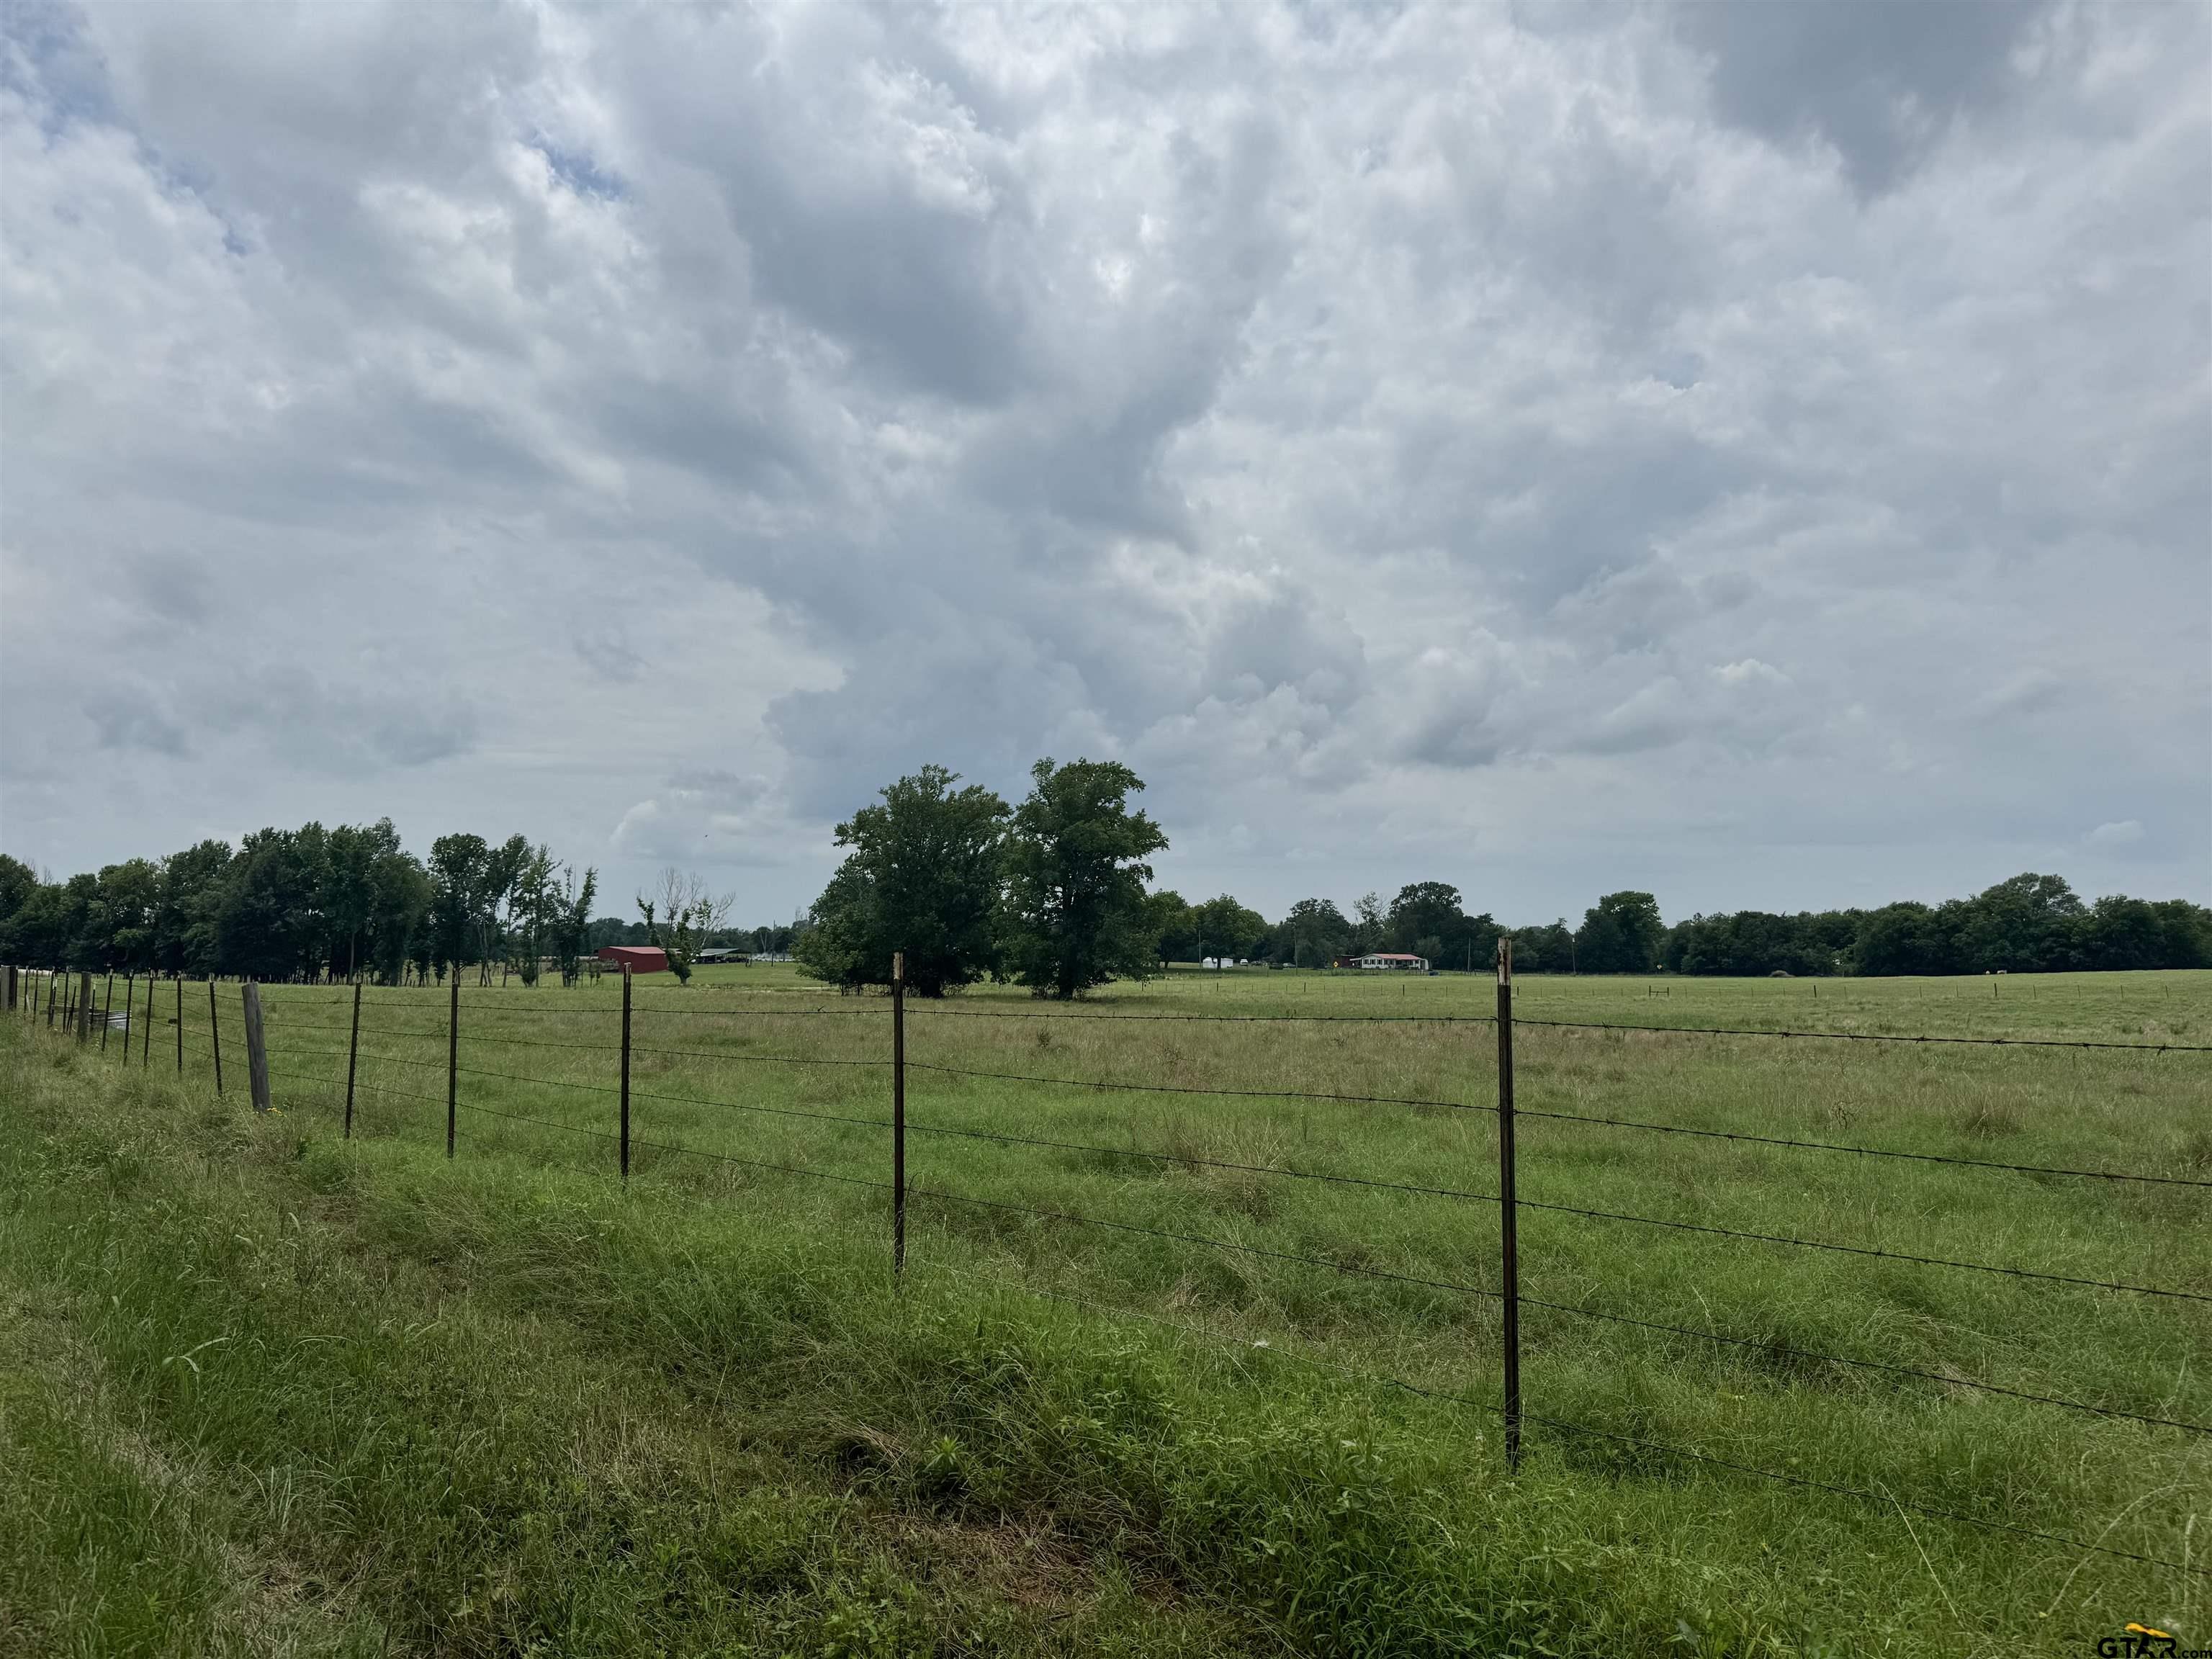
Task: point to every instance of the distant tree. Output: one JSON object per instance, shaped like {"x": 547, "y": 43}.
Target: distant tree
{"x": 118, "y": 929}
{"x": 2126, "y": 932}
{"x": 42, "y": 927}
{"x": 571, "y": 930}
{"x": 1174, "y": 932}
{"x": 1226, "y": 930}
{"x": 398, "y": 914}
{"x": 460, "y": 872}
{"x": 18, "y": 881}
{"x": 271, "y": 926}
{"x": 679, "y": 915}
{"x": 2024, "y": 924}
{"x": 1620, "y": 935}
{"x": 1370, "y": 925}
{"x": 1549, "y": 949}
{"x": 193, "y": 885}
{"x": 1075, "y": 878}
{"x": 923, "y": 876}
{"x": 1425, "y": 909}
{"x": 1315, "y": 933}
{"x": 1904, "y": 939}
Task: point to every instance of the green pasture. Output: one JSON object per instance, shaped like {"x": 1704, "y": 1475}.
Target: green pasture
{"x": 271, "y": 1390}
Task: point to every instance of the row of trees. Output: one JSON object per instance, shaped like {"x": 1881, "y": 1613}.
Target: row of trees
{"x": 2028, "y": 924}
{"x": 1619, "y": 934}
{"x": 288, "y": 903}
{"x": 1049, "y": 894}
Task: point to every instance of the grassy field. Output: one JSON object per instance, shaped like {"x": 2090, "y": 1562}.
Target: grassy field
{"x": 265, "y": 1390}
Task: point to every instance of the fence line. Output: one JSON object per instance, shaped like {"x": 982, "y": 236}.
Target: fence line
{"x": 78, "y": 1005}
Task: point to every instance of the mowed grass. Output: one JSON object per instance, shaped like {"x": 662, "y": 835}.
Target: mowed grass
{"x": 273, "y": 1391}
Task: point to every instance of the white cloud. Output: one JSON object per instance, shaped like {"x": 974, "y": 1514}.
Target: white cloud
{"x": 1546, "y": 453}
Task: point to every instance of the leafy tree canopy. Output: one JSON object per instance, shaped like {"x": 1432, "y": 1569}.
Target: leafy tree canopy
{"x": 923, "y": 876}
{"x": 1075, "y": 878}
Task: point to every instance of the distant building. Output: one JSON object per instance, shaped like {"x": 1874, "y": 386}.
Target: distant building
{"x": 1391, "y": 962}
{"x": 638, "y": 959}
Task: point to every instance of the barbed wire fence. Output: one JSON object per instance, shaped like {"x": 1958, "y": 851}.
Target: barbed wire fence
{"x": 68, "y": 1005}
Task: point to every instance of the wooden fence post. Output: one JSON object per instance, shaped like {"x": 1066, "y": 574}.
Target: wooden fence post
{"x": 215, "y": 1039}
{"x": 257, "y": 1048}
{"x": 1509, "y": 1236}
{"x": 898, "y": 1113}
{"x": 84, "y": 1006}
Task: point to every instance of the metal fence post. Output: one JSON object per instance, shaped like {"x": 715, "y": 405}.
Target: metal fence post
{"x": 353, "y": 1055}
{"x": 215, "y": 1039}
{"x": 898, "y": 1113}
{"x": 1509, "y": 1238}
{"x": 453, "y": 1057}
{"x": 107, "y": 1012}
{"x": 625, "y": 1074}
{"x": 257, "y": 1047}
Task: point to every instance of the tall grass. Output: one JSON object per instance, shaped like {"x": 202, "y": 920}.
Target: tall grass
{"x": 363, "y": 1396}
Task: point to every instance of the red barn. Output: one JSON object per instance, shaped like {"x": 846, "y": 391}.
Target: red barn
{"x": 638, "y": 959}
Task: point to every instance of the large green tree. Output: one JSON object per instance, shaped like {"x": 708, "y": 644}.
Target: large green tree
{"x": 1172, "y": 924}
{"x": 1621, "y": 935}
{"x": 1315, "y": 933}
{"x": 460, "y": 877}
{"x": 1227, "y": 929}
{"x": 923, "y": 876}
{"x": 1076, "y": 872}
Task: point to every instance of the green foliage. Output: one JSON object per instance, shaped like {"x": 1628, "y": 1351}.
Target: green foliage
{"x": 1172, "y": 924}
{"x": 1075, "y": 875}
{"x": 679, "y": 918}
{"x": 1314, "y": 934}
{"x": 2030, "y": 923}
{"x": 262, "y": 1390}
{"x": 1621, "y": 935}
{"x": 18, "y": 881}
{"x": 923, "y": 876}
{"x": 1226, "y": 930}
{"x": 460, "y": 884}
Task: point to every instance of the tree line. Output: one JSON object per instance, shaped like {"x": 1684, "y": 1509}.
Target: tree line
{"x": 2028, "y": 924}
{"x": 1052, "y": 894}
{"x": 308, "y": 902}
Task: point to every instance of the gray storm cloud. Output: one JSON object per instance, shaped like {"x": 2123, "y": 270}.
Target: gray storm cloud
{"x": 1757, "y": 453}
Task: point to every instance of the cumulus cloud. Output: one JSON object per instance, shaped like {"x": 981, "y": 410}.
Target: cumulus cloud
{"x": 1544, "y": 451}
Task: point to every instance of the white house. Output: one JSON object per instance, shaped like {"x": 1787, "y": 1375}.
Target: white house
{"x": 1392, "y": 961}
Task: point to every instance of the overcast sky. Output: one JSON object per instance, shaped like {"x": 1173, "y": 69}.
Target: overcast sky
{"x": 1759, "y": 454}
